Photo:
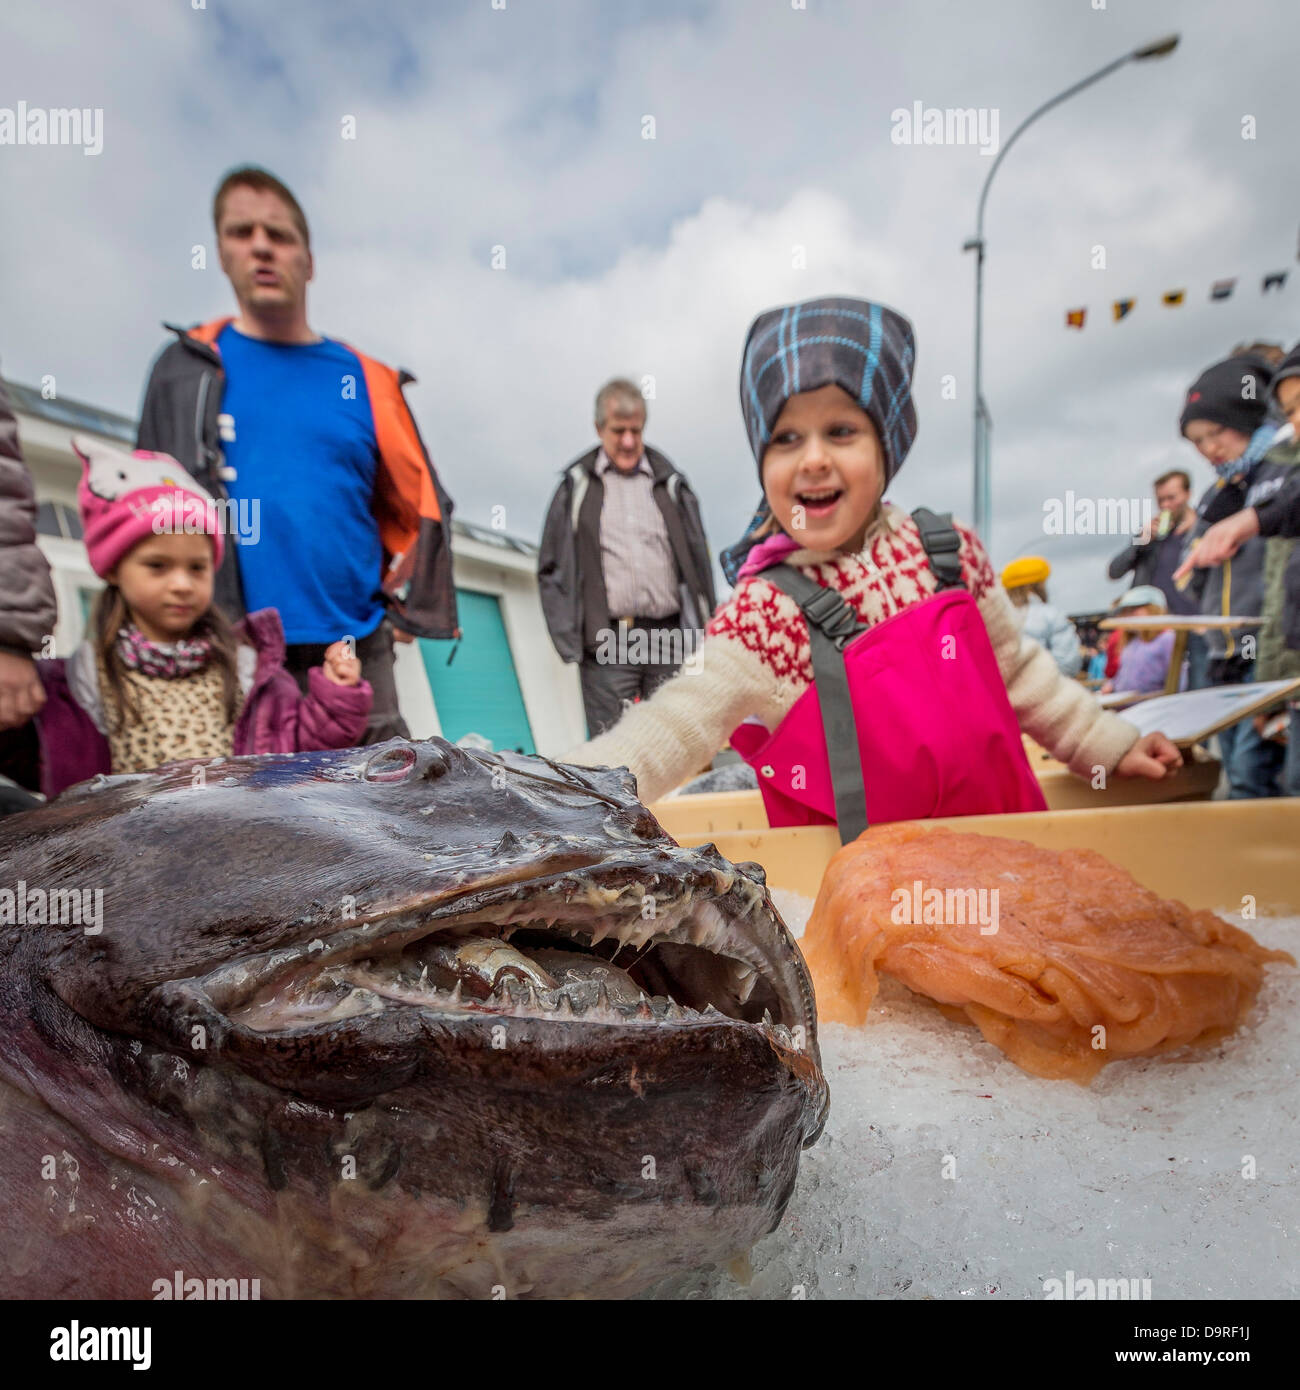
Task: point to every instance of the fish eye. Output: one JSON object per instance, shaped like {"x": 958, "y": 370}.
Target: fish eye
{"x": 438, "y": 763}
{"x": 390, "y": 765}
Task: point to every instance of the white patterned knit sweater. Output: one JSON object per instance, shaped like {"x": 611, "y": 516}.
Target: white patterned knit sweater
{"x": 756, "y": 660}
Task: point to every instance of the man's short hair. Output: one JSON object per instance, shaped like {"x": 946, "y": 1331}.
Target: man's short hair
{"x": 618, "y": 392}
{"x": 1272, "y": 353}
{"x": 1175, "y": 473}
{"x": 250, "y": 176}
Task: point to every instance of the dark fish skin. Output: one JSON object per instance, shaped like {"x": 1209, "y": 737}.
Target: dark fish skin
{"x": 422, "y": 1151}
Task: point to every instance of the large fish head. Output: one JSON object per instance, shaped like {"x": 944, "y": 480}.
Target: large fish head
{"x": 472, "y": 1013}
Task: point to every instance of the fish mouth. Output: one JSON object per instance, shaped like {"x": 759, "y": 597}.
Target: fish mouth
{"x": 601, "y": 965}
{"x": 689, "y": 942}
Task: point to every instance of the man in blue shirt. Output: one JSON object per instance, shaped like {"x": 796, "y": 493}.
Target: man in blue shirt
{"x": 339, "y": 520}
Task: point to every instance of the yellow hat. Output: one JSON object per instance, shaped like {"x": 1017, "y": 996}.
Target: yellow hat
{"x": 1029, "y": 569}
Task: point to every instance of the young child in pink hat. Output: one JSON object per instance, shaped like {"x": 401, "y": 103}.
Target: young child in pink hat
{"x": 162, "y": 675}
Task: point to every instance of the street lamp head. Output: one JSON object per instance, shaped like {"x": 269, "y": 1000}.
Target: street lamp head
{"x": 1159, "y": 49}
{"x": 983, "y": 422}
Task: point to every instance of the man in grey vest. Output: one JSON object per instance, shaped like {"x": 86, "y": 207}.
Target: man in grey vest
{"x": 624, "y": 571}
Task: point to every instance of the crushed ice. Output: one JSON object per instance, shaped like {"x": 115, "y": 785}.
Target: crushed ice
{"x": 1144, "y": 1175}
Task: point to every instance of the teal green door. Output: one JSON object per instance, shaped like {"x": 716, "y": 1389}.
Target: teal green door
{"x": 479, "y": 692}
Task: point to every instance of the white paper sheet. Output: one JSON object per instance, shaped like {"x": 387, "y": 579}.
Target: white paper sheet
{"x": 1194, "y": 715}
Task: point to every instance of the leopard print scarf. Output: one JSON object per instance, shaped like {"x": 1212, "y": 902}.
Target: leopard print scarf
{"x": 180, "y": 717}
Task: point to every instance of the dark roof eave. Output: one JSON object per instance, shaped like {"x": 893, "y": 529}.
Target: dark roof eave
{"x": 73, "y": 413}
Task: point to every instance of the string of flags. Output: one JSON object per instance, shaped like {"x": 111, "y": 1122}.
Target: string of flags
{"x": 1171, "y": 299}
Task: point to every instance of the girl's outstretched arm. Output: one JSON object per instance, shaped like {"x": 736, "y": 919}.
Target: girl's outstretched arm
{"x": 1055, "y": 711}
{"x": 676, "y": 732}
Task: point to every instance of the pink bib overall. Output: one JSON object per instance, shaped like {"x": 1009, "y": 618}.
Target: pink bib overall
{"x": 936, "y": 733}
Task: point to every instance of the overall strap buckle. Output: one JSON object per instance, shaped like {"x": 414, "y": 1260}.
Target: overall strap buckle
{"x": 942, "y": 546}
{"x": 828, "y": 611}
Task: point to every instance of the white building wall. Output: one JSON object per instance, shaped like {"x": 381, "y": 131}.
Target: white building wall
{"x": 550, "y": 688}
{"x": 414, "y": 697}
{"x": 72, "y": 573}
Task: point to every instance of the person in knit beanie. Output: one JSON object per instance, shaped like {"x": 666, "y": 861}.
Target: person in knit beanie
{"x": 1226, "y": 416}
{"x": 1225, "y": 413}
{"x": 1278, "y": 515}
{"x": 825, "y": 393}
{"x": 1245, "y": 561}
{"x": 162, "y": 675}
{"x": 1025, "y": 581}
{"x": 1229, "y": 395}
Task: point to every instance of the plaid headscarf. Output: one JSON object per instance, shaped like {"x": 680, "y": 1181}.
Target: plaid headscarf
{"x": 865, "y": 348}
{"x": 868, "y": 349}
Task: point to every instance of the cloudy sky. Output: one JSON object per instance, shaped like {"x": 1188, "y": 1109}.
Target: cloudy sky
{"x": 520, "y": 124}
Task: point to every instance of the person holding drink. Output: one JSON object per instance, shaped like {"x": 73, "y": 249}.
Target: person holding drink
{"x": 1157, "y": 551}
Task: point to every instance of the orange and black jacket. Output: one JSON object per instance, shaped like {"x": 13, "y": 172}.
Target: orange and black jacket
{"x": 412, "y": 511}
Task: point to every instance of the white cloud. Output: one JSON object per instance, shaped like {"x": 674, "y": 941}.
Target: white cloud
{"x": 522, "y": 127}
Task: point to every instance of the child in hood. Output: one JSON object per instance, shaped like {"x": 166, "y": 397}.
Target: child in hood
{"x": 1144, "y": 660}
{"x": 941, "y": 679}
{"x": 162, "y": 675}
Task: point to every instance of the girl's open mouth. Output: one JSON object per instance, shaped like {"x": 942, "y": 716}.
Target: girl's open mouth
{"x": 819, "y": 502}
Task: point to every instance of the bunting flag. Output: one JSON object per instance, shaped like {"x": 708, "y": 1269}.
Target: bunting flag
{"x": 1173, "y": 299}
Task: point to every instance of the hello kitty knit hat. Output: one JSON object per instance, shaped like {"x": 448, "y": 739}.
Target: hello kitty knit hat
{"x": 125, "y": 497}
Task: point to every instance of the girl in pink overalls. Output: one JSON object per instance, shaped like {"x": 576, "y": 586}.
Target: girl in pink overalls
{"x": 868, "y": 663}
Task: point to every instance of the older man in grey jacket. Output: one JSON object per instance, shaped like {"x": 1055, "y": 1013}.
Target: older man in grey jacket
{"x": 624, "y": 572}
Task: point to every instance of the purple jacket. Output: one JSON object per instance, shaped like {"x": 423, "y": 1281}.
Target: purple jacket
{"x": 276, "y": 716}
{"x": 1144, "y": 665}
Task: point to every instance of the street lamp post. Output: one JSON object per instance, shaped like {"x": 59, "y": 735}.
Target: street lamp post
{"x": 982, "y": 420}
